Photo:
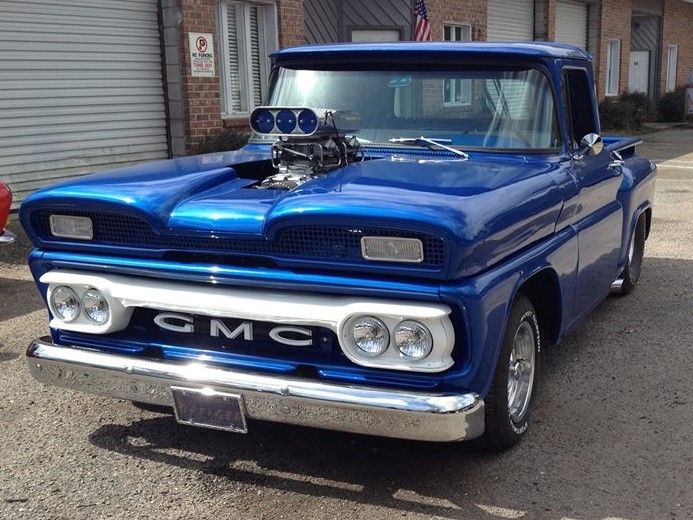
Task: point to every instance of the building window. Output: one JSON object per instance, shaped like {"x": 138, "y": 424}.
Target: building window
{"x": 457, "y": 92}
{"x": 375, "y": 35}
{"x": 248, "y": 34}
{"x": 672, "y": 63}
{"x": 613, "y": 66}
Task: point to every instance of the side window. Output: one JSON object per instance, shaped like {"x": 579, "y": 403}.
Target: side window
{"x": 578, "y": 102}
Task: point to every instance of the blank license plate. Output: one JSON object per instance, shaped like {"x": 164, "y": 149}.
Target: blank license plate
{"x": 209, "y": 409}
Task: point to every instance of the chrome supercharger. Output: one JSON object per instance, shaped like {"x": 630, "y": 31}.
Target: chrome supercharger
{"x": 310, "y": 142}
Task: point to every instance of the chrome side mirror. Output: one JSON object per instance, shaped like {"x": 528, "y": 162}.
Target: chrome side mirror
{"x": 591, "y": 145}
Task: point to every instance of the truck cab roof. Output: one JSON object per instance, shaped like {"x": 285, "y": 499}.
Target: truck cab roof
{"x": 528, "y": 50}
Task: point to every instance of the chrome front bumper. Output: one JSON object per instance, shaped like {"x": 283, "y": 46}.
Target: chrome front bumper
{"x": 320, "y": 404}
{"x": 7, "y": 237}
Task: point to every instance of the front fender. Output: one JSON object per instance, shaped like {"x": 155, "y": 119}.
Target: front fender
{"x": 487, "y": 300}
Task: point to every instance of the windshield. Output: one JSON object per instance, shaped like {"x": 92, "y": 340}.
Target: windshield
{"x": 497, "y": 109}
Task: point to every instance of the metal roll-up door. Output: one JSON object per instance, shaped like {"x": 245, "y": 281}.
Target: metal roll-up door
{"x": 510, "y": 20}
{"x": 571, "y": 23}
{"x": 81, "y": 89}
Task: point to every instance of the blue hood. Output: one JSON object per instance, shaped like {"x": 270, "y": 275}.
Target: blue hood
{"x": 485, "y": 207}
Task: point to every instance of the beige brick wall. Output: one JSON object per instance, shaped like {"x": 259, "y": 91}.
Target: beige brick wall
{"x": 291, "y": 23}
{"x": 471, "y": 12}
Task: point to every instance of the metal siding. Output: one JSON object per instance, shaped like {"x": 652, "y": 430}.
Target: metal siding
{"x": 327, "y": 21}
{"x": 81, "y": 89}
{"x": 510, "y": 20}
{"x": 571, "y": 23}
{"x": 322, "y": 21}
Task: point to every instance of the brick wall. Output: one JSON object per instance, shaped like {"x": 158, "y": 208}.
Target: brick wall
{"x": 202, "y": 96}
{"x": 472, "y": 12}
{"x": 291, "y": 23}
{"x": 677, "y": 29}
{"x": 613, "y": 23}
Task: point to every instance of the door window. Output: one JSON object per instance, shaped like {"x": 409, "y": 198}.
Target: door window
{"x": 579, "y": 108}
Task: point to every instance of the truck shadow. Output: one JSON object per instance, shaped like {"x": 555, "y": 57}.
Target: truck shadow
{"x": 310, "y": 462}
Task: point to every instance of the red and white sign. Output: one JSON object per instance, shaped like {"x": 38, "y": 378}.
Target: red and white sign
{"x": 201, "y": 48}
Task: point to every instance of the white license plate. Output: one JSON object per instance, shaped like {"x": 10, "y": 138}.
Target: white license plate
{"x": 209, "y": 409}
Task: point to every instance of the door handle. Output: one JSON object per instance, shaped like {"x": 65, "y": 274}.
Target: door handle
{"x": 617, "y": 164}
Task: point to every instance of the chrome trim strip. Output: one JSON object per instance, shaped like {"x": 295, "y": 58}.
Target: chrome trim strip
{"x": 358, "y": 409}
{"x": 616, "y": 285}
{"x": 7, "y": 237}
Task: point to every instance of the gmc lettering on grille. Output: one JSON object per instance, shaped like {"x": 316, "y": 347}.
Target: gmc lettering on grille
{"x": 184, "y": 323}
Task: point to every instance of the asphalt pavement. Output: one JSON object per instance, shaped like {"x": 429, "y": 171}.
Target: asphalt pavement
{"x": 612, "y": 436}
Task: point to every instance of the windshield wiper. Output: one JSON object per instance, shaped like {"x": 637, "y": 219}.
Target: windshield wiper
{"x": 423, "y": 141}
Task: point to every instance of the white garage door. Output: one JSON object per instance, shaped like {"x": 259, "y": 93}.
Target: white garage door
{"x": 80, "y": 89}
{"x": 571, "y": 23}
{"x": 510, "y": 20}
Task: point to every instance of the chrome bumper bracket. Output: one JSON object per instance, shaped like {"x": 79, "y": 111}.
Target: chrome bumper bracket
{"x": 7, "y": 237}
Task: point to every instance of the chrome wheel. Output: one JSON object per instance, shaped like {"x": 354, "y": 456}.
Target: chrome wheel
{"x": 521, "y": 371}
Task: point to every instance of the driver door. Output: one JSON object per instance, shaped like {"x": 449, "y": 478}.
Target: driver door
{"x": 600, "y": 216}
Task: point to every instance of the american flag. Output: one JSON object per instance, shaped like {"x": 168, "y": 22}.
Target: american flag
{"x": 422, "y": 33}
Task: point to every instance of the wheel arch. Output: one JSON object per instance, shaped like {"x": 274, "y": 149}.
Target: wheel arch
{"x": 543, "y": 289}
{"x": 648, "y": 220}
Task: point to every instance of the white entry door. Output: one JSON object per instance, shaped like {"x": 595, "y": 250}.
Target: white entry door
{"x": 639, "y": 71}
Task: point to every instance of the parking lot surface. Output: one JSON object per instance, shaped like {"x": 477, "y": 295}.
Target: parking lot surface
{"x": 612, "y": 436}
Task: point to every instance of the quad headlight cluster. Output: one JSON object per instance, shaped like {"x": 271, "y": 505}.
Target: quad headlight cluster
{"x": 372, "y": 337}
{"x": 67, "y": 305}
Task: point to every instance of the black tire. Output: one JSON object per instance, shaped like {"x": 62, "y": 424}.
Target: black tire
{"x": 631, "y": 271}
{"x": 502, "y": 430}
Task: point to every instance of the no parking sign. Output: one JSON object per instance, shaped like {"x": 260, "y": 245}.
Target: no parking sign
{"x": 201, "y": 48}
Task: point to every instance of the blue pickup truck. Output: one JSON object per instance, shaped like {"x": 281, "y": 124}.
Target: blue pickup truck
{"x": 409, "y": 227}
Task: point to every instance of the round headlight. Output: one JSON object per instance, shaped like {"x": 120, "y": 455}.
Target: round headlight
{"x": 65, "y": 303}
{"x": 413, "y": 339}
{"x": 95, "y": 306}
{"x": 370, "y": 335}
